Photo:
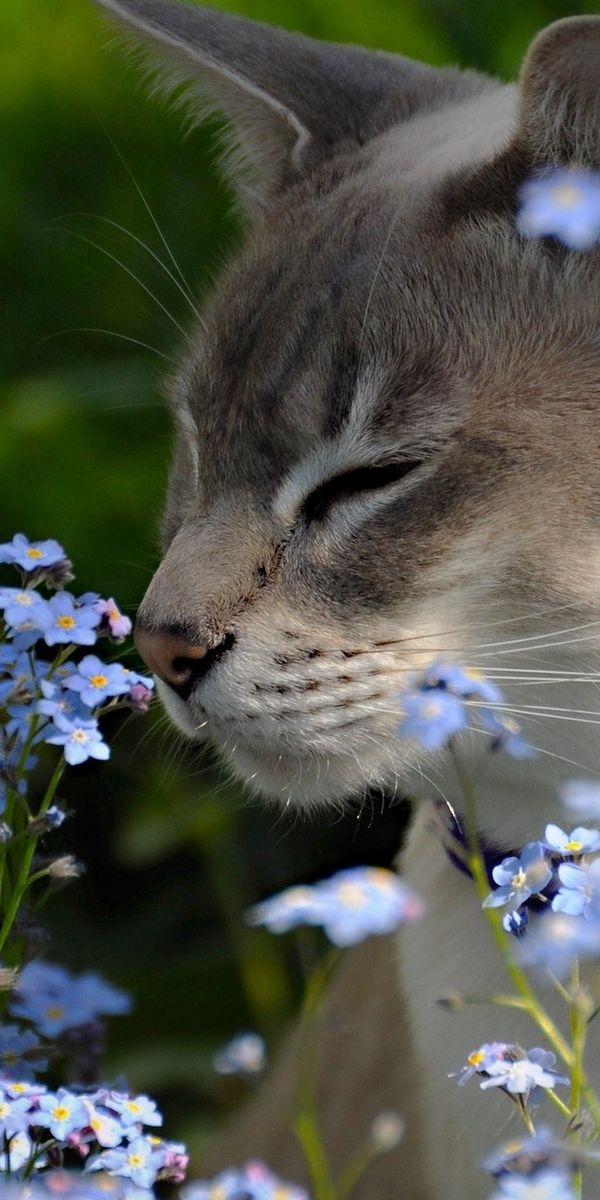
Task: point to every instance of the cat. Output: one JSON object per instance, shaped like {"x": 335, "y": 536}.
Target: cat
{"x": 386, "y": 434}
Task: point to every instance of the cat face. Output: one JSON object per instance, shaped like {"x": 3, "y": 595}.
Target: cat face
{"x": 386, "y": 427}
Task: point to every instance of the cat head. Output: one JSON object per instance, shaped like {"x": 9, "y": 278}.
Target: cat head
{"x": 387, "y": 424}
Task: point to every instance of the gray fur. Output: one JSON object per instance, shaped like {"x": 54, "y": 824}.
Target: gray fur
{"x": 383, "y": 312}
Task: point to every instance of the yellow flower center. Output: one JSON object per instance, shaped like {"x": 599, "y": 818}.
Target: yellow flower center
{"x": 575, "y": 846}
{"x": 9, "y": 1057}
{"x": 351, "y": 894}
{"x": 65, "y": 622}
{"x": 476, "y": 1058}
{"x": 133, "y": 1106}
{"x": 519, "y": 880}
{"x": 98, "y": 681}
{"x": 33, "y": 552}
{"x": 18, "y": 1087}
{"x": 114, "y": 614}
{"x": 55, "y": 1013}
{"x": 79, "y": 735}
{"x": 217, "y": 1193}
{"x": 4, "y": 1110}
{"x": 61, "y": 1112}
{"x": 135, "y": 1160}
{"x": 567, "y": 195}
{"x": 24, "y": 599}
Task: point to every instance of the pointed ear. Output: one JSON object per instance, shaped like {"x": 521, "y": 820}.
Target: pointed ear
{"x": 559, "y": 119}
{"x": 558, "y": 122}
{"x": 290, "y": 99}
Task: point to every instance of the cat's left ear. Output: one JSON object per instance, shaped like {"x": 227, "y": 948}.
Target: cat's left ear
{"x": 289, "y": 99}
{"x": 559, "y": 110}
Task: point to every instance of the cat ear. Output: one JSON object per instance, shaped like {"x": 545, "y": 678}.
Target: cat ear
{"x": 559, "y": 116}
{"x": 288, "y": 98}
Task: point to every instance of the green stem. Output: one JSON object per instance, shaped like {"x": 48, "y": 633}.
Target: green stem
{"x": 23, "y": 874}
{"x": 355, "y": 1168}
{"x": 305, "y": 1122}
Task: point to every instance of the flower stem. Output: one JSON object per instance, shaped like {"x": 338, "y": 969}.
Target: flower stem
{"x": 21, "y": 882}
{"x": 305, "y": 1123}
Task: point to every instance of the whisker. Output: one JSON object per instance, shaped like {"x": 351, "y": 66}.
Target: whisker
{"x": 128, "y": 233}
{"x": 144, "y": 201}
{"x": 113, "y": 257}
{"x": 109, "y": 333}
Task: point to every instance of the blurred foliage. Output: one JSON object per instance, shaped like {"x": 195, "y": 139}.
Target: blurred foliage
{"x": 90, "y": 322}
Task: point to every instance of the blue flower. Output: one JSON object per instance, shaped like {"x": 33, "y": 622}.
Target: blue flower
{"x": 564, "y": 204}
{"x": 526, "y": 1155}
{"x": 579, "y": 893}
{"x": 433, "y": 717}
{"x": 516, "y": 922}
{"x": 520, "y": 878}
{"x": 24, "y": 607}
{"x": 580, "y": 841}
{"x": 31, "y": 556}
{"x": 139, "y": 1161}
{"x": 14, "y": 1116}
{"x": 15, "y": 1045}
{"x": 505, "y": 733}
{"x": 107, "y": 1130}
{"x": 253, "y": 1182}
{"x": 521, "y": 1075}
{"x": 243, "y": 1055}
{"x": 71, "y": 622}
{"x": 544, "y": 1185}
{"x": 479, "y": 1060}
{"x": 62, "y": 1113}
{"x": 55, "y": 1000}
{"x": 557, "y": 939}
{"x": 468, "y": 685}
{"x": 118, "y": 625}
{"x": 19, "y": 1152}
{"x": 350, "y": 906}
{"x": 135, "y": 1110}
{"x": 96, "y": 681}
{"x": 81, "y": 739}
{"x": 58, "y": 702}
{"x": 582, "y": 796}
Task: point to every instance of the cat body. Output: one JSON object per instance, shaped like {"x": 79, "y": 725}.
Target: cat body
{"x": 386, "y": 446}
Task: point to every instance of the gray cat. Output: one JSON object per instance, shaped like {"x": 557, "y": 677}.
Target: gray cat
{"x": 387, "y": 437}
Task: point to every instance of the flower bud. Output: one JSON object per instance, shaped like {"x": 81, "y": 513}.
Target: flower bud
{"x": 387, "y": 1131}
{"x": 66, "y": 867}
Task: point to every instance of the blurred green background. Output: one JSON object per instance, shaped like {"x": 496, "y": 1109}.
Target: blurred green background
{"x": 88, "y": 322}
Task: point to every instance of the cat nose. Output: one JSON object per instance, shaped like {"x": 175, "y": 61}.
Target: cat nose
{"x": 173, "y": 659}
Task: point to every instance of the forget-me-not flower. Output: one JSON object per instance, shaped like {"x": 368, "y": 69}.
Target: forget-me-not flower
{"x": 580, "y": 841}
{"x": 529, "y": 1154}
{"x": 135, "y": 1110}
{"x": 80, "y": 739}
{"x": 24, "y": 605}
{"x": 582, "y": 796}
{"x": 564, "y": 204}
{"x": 15, "y": 1044}
{"x": 14, "y": 1114}
{"x": 579, "y": 893}
{"x": 544, "y": 1185}
{"x": 433, "y": 717}
{"x": 19, "y": 1152}
{"x": 253, "y": 1182}
{"x": 62, "y": 1113}
{"x": 96, "y": 681}
{"x": 350, "y": 906}
{"x": 557, "y": 939}
{"x": 479, "y": 1060}
{"x": 245, "y": 1054}
{"x": 71, "y": 622}
{"x": 30, "y": 556}
{"x": 520, "y": 878}
{"x": 118, "y": 624}
{"x": 139, "y": 1161}
{"x": 521, "y": 1075}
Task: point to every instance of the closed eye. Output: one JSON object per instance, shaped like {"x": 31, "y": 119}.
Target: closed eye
{"x": 352, "y": 483}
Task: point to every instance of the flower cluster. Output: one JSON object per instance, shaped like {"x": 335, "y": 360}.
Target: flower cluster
{"x": 513, "y": 1070}
{"x": 447, "y": 699}
{"x": 350, "y": 906}
{"x": 54, "y": 1000}
{"x": 562, "y": 873}
{"x": 56, "y": 701}
{"x": 252, "y": 1182}
{"x": 104, "y": 1127}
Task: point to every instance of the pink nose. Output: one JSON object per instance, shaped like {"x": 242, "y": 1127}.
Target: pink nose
{"x": 173, "y": 659}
